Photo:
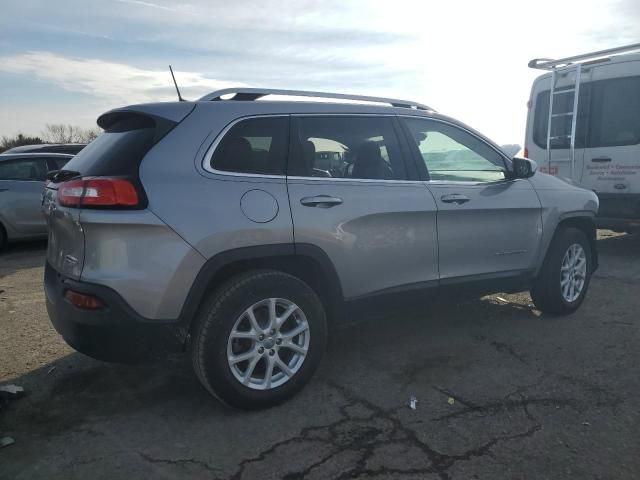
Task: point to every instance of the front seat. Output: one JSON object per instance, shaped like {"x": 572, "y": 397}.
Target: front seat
{"x": 370, "y": 164}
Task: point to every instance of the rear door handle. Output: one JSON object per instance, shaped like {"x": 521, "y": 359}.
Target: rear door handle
{"x": 4, "y": 189}
{"x": 601, "y": 159}
{"x": 455, "y": 198}
{"x": 322, "y": 201}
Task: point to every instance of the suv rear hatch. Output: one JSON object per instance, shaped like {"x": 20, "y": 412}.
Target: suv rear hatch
{"x": 104, "y": 175}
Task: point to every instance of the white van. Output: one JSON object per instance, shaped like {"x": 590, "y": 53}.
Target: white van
{"x": 590, "y": 132}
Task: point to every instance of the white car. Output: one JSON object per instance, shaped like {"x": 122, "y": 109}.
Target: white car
{"x": 590, "y": 134}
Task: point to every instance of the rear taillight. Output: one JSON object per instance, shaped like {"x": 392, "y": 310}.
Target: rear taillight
{"x": 98, "y": 192}
{"x": 526, "y": 152}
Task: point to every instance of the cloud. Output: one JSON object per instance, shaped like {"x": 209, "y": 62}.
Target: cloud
{"x": 147, "y": 4}
{"x": 113, "y": 82}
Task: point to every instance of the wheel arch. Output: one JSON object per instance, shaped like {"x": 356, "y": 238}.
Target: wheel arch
{"x": 305, "y": 261}
{"x": 584, "y": 223}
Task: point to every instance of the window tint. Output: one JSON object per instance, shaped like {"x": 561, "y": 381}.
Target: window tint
{"x": 615, "y": 113}
{"x": 34, "y": 169}
{"x": 560, "y": 125}
{"x": 450, "y": 153}
{"x": 119, "y": 149}
{"x": 254, "y": 145}
{"x": 347, "y": 147}
{"x": 60, "y": 162}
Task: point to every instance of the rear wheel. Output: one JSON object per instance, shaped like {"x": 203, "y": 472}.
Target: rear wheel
{"x": 3, "y": 238}
{"x": 564, "y": 278}
{"x": 258, "y": 339}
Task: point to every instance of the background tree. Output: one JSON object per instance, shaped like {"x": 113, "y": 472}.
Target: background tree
{"x": 9, "y": 142}
{"x": 61, "y": 133}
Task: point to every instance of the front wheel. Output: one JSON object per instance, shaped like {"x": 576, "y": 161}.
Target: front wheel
{"x": 258, "y": 339}
{"x": 564, "y": 278}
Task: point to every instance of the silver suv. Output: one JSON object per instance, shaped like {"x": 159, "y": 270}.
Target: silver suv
{"x": 242, "y": 229}
{"x": 21, "y": 178}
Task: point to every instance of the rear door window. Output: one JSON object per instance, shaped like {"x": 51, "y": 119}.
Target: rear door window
{"x": 359, "y": 147}
{"x": 27, "y": 169}
{"x": 615, "y": 113}
{"x": 254, "y": 146}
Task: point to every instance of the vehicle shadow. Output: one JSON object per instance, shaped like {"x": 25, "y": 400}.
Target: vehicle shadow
{"x": 21, "y": 256}
{"x": 74, "y": 390}
{"x": 616, "y": 256}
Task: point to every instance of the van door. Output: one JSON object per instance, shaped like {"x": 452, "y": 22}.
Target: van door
{"x": 351, "y": 196}
{"x": 612, "y": 154}
{"x": 560, "y": 162}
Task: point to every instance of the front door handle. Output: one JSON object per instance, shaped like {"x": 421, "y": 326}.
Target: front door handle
{"x": 4, "y": 189}
{"x": 322, "y": 201}
{"x": 455, "y": 198}
{"x": 601, "y": 159}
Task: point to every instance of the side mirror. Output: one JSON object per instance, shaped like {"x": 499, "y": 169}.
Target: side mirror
{"x": 523, "y": 167}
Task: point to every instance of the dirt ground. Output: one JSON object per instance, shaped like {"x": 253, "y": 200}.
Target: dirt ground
{"x": 502, "y": 391}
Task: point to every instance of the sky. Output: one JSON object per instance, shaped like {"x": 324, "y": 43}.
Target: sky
{"x": 68, "y": 61}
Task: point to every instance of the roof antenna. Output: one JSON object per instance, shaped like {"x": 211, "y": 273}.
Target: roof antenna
{"x": 176, "y": 84}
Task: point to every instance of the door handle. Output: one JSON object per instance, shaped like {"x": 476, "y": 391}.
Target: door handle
{"x": 322, "y": 201}
{"x": 455, "y": 198}
{"x": 601, "y": 159}
{"x": 4, "y": 189}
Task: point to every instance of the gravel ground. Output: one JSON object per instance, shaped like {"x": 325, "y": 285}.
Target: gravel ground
{"x": 502, "y": 391}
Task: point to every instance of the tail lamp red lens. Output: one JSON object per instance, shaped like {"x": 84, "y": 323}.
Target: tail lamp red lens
{"x": 98, "y": 192}
{"x": 84, "y": 301}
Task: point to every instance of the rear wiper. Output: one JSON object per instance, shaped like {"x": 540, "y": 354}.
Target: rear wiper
{"x": 57, "y": 176}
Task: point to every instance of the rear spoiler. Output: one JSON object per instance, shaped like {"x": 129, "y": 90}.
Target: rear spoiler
{"x": 173, "y": 112}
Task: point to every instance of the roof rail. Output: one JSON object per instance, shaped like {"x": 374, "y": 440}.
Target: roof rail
{"x": 256, "y": 93}
{"x": 549, "y": 64}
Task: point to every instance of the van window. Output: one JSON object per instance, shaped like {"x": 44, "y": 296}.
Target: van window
{"x": 563, "y": 103}
{"x": 31, "y": 169}
{"x": 254, "y": 145}
{"x": 615, "y": 113}
{"x": 347, "y": 147}
{"x": 451, "y": 154}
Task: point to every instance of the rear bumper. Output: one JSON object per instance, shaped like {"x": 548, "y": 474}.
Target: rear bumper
{"x": 114, "y": 333}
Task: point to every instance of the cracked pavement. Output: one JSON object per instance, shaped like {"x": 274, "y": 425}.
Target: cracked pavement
{"x": 533, "y": 396}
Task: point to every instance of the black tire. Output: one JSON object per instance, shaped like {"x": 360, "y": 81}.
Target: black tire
{"x": 546, "y": 291}
{"x": 216, "y": 319}
{"x": 3, "y": 238}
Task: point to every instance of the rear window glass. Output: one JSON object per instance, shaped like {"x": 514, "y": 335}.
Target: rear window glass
{"x": 24, "y": 169}
{"x": 561, "y": 124}
{"x": 60, "y": 162}
{"x": 608, "y": 115}
{"x": 118, "y": 150}
{"x": 254, "y": 145}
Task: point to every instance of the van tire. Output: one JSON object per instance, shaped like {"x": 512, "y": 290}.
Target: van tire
{"x": 546, "y": 292}
{"x": 219, "y": 315}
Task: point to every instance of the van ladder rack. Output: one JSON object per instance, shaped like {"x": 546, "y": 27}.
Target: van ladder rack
{"x": 248, "y": 94}
{"x": 567, "y": 65}
{"x": 549, "y": 64}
